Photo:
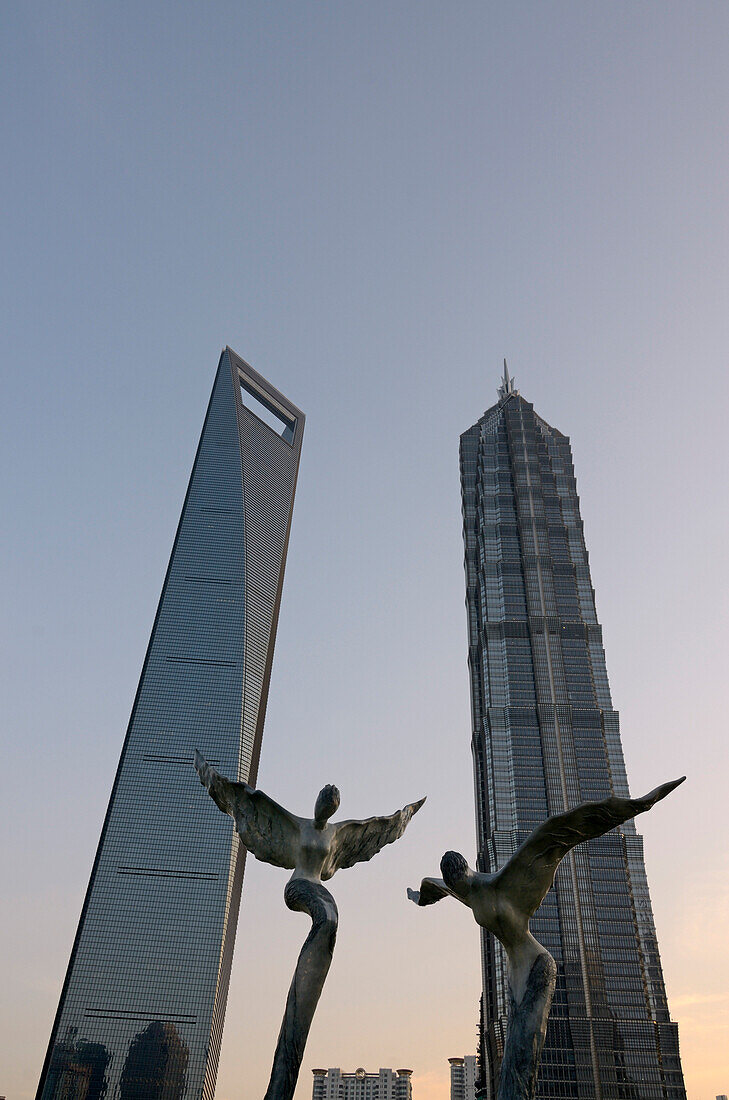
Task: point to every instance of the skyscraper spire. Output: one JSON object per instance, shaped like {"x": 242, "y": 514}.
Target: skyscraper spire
{"x": 507, "y": 384}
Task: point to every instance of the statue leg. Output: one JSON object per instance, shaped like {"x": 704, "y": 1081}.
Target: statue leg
{"x": 525, "y": 1032}
{"x": 311, "y": 970}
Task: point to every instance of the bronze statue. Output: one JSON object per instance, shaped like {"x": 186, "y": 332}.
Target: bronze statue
{"x": 315, "y": 849}
{"x": 503, "y": 903}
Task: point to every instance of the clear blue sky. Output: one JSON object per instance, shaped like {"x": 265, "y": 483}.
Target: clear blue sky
{"x": 372, "y": 203}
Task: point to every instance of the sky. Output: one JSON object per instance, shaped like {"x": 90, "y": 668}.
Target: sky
{"x": 373, "y": 204}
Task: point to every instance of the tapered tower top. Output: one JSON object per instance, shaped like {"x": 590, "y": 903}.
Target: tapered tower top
{"x": 507, "y": 385}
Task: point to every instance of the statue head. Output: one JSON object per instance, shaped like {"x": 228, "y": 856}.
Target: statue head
{"x": 327, "y": 804}
{"x": 453, "y": 868}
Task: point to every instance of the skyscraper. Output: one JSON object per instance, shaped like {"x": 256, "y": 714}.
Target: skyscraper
{"x": 142, "y": 1006}
{"x": 545, "y": 738}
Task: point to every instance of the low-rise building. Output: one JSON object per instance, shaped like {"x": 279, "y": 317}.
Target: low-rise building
{"x": 463, "y": 1077}
{"x": 386, "y": 1084}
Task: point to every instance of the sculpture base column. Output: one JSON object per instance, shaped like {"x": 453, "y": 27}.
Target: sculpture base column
{"x": 311, "y": 970}
{"x": 526, "y": 1030}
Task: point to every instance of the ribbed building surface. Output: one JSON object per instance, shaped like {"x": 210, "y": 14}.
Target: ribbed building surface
{"x": 142, "y": 1007}
{"x": 545, "y": 738}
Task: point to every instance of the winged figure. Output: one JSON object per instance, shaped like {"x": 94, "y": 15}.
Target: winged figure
{"x": 314, "y": 849}
{"x": 504, "y": 902}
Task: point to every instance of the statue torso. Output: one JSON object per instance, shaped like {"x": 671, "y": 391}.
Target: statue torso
{"x": 314, "y": 847}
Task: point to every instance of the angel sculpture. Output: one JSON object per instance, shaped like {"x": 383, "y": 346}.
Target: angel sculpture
{"x": 315, "y": 849}
{"x": 503, "y": 902}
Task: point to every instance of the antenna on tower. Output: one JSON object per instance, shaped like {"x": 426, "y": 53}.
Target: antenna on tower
{"x": 507, "y": 386}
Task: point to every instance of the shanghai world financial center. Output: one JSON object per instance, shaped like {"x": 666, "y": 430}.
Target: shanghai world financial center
{"x": 545, "y": 737}
{"x": 141, "y": 1011}
{"x": 142, "y": 1007}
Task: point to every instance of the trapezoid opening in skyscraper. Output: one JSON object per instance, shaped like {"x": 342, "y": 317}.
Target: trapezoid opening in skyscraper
{"x": 545, "y": 737}
{"x": 143, "y": 1002}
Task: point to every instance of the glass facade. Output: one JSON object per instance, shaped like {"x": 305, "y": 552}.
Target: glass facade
{"x": 142, "y": 1007}
{"x": 545, "y": 738}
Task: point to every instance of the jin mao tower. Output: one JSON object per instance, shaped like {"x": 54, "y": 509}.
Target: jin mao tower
{"x": 142, "y": 1006}
{"x": 545, "y": 737}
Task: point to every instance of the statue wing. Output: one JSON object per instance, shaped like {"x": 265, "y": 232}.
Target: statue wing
{"x": 269, "y": 831}
{"x": 530, "y": 872}
{"x": 358, "y": 841}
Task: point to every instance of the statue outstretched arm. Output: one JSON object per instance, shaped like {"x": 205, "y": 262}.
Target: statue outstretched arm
{"x": 431, "y": 890}
{"x": 358, "y": 841}
{"x": 268, "y": 830}
{"x": 530, "y": 872}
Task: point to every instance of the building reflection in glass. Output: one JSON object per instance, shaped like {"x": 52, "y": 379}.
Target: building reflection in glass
{"x": 78, "y": 1070}
{"x": 156, "y": 1065}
